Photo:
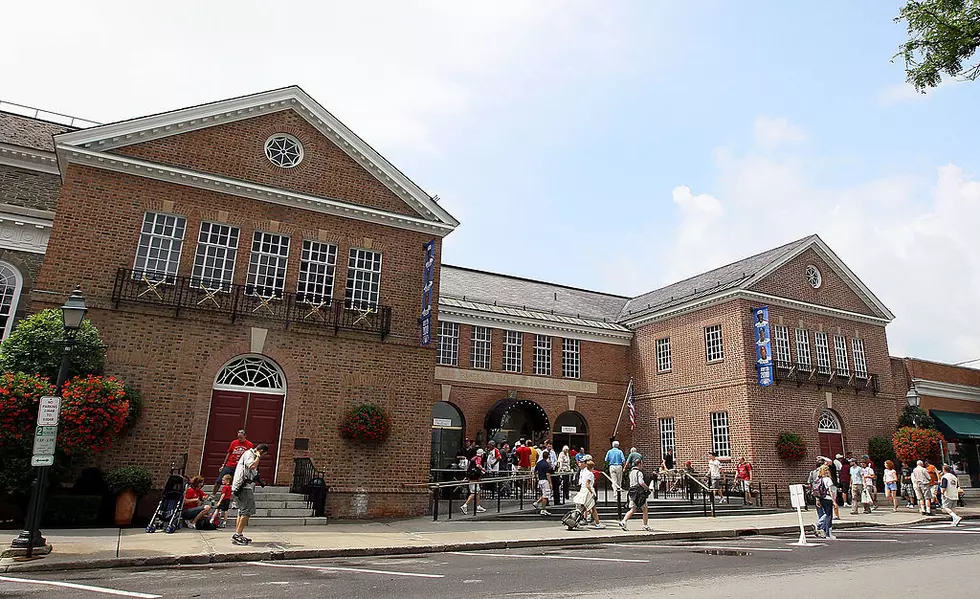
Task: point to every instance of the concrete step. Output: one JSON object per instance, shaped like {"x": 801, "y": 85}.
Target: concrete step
{"x": 286, "y": 521}
{"x": 275, "y": 504}
{"x": 270, "y": 489}
{"x": 280, "y": 497}
{"x": 302, "y": 512}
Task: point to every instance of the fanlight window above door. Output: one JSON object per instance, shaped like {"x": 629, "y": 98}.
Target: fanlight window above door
{"x": 828, "y": 423}
{"x": 251, "y": 373}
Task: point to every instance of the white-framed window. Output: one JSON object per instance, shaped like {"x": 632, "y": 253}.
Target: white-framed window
{"x": 160, "y": 245}
{"x": 513, "y": 351}
{"x": 214, "y": 262}
{"x": 317, "y": 267}
{"x": 284, "y": 150}
{"x": 860, "y": 361}
{"x": 480, "y": 348}
{"x": 11, "y": 283}
{"x": 780, "y": 337}
{"x": 363, "y": 279}
{"x": 840, "y": 356}
{"x": 828, "y": 423}
{"x": 571, "y": 358}
{"x": 542, "y": 355}
{"x": 667, "y": 439}
{"x": 663, "y": 355}
{"x": 720, "y": 445}
{"x": 803, "y": 348}
{"x": 448, "y": 354}
{"x": 713, "y": 347}
{"x": 267, "y": 267}
{"x": 823, "y": 352}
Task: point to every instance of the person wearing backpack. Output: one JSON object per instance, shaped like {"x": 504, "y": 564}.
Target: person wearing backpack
{"x": 823, "y": 493}
{"x": 474, "y": 472}
{"x": 811, "y": 480}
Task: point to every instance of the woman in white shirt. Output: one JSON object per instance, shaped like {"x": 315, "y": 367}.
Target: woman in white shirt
{"x": 564, "y": 460}
{"x": 585, "y": 498}
{"x": 827, "y": 502}
{"x": 890, "y": 478}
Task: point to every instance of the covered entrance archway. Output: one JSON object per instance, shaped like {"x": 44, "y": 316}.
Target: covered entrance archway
{"x": 512, "y": 419}
{"x": 248, "y": 393}
{"x": 447, "y": 434}
{"x": 831, "y": 435}
{"x": 572, "y": 430}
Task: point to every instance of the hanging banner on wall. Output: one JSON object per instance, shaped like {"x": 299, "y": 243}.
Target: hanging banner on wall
{"x": 428, "y": 278}
{"x": 763, "y": 345}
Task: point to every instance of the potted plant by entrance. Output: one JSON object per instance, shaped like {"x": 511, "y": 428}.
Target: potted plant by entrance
{"x": 790, "y": 447}
{"x": 368, "y": 423}
{"x": 128, "y": 483}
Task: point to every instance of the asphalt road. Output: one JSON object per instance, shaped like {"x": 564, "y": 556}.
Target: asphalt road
{"x": 881, "y": 562}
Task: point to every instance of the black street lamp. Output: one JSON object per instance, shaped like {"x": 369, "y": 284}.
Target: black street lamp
{"x": 914, "y": 399}
{"x": 72, "y": 314}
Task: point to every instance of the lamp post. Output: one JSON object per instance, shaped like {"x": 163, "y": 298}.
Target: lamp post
{"x": 914, "y": 399}
{"x": 72, "y": 314}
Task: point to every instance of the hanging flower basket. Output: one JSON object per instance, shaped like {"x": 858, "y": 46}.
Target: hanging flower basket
{"x": 94, "y": 411}
{"x": 367, "y": 423}
{"x": 791, "y": 447}
{"x": 913, "y": 444}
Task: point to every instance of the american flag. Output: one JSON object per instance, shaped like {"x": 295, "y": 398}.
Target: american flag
{"x": 631, "y": 404}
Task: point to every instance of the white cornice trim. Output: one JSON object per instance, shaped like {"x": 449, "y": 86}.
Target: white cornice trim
{"x": 24, "y": 233}
{"x": 143, "y": 129}
{"x": 199, "y": 180}
{"x": 813, "y": 308}
{"x": 678, "y": 309}
{"x": 946, "y": 390}
{"x": 532, "y": 326}
{"x": 29, "y": 158}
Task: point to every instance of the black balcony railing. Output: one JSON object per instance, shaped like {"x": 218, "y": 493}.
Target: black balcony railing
{"x": 236, "y": 301}
{"x": 805, "y": 374}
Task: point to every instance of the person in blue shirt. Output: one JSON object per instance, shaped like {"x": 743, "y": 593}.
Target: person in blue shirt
{"x": 616, "y": 459}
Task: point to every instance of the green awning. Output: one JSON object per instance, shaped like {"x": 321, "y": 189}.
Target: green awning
{"x": 957, "y": 425}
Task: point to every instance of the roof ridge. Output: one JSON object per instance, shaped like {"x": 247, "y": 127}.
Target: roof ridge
{"x": 528, "y": 280}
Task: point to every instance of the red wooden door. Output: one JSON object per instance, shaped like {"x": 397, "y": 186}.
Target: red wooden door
{"x": 262, "y": 425}
{"x": 260, "y": 414}
{"x": 831, "y": 444}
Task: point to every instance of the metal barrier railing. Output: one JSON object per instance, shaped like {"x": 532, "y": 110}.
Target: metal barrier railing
{"x": 518, "y": 488}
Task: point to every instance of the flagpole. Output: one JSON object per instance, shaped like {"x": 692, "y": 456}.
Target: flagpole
{"x": 625, "y": 399}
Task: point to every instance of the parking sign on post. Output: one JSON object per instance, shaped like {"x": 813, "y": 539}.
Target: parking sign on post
{"x": 47, "y": 412}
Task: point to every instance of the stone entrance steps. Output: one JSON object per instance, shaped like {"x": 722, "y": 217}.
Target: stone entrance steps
{"x": 276, "y": 506}
{"x": 658, "y": 508}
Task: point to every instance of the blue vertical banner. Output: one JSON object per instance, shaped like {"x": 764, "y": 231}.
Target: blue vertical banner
{"x": 763, "y": 345}
{"x": 428, "y": 278}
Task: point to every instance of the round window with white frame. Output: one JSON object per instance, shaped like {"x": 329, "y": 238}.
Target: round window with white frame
{"x": 284, "y": 150}
{"x": 10, "y": 285}
{"x": 251, "y": 374}
{"x": 828, "y": 423}
{"x": 813, "y": 276}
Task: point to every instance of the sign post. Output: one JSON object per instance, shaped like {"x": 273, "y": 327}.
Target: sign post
{"x": 45, "y": 440}
{"x": 796, "y": 499}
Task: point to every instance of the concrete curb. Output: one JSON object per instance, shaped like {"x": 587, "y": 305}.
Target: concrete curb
{"x": 296, "y": 554}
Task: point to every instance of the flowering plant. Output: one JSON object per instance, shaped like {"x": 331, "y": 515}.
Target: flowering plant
{"x": 791, "y": 447}
{"x": 19, "y": 397}
{"x": 913, "y": 444}
{"x": 366, "y": 422}
{"x": 94, "y": 410}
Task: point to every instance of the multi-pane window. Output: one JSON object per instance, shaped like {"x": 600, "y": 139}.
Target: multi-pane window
{"x": 667, "y": 439}
{"x": 713, "y": 347}
{"x": 860, "y": 362}
{"x": 267, "y": 268}
{"x": 158, "y": 252}
{"x": 317, "y": 267}
{"x": 513, "y": 351}
{"x": 663, "y": 354}
{"x": 840, "y": 356}
{"x": 823, "y": 352}
{"x": 448, "y": 354}
{"x": 363, "y": 279}
{"x": 571, "y": 358}
{"x": 542, "y": 355}
{"x": 803, "y": 348}
{"x": 780, "y": 337}
{"x": 720, "y": 445}
{"x": 480, "y": 348}
{"x": 214, "y": 262}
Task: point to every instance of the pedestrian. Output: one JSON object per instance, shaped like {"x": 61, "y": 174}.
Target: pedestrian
{"x": 908, "y": 489}
{"x": 870, "y": 485}
{"x": 638, "y": 494}
{"x": 890, "y": 478}
{"x": 235, "y": 450}
{"x": 824, "y": 494}
{"x": 194, "y": 508}
{"x": 667, "y": 461}
{"x": 951, "y": 492}
{"x": 933, "y": 483}
{"x": 474, "y": 473}
{"x": 533, "y": 455}
{"x": 587, "y": 481}
{"x": 844, "y": 477}
{"x": 714, "y": 475}
{"x": 923, "y": 490}
{"x": 857, "y": 488}
{"x": 743, "y": 478}
{"x": 615, "y": 459}
{"x": 813, "y": 481}
{"x": 632, "y": 457}
{"x": 493, "y": 458}
{"x": 544, "y": 470}
{"x": 243, "y": 488}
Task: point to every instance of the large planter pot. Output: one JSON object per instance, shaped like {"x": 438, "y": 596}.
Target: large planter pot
{"x": 125, "y": 507}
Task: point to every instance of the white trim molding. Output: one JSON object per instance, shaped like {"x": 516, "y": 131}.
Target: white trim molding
{"x": 29, "y": 159}
{"x": 929, "y": 388}
{"x": 520, "y": 381}
{"x": 116, "y": 135}
{"x": 181, "y": 176}
{"x": 23, "y": 233}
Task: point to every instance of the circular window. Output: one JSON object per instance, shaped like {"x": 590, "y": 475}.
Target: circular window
{"x": 284, "y": 150}
{"x": 813, "y": 276}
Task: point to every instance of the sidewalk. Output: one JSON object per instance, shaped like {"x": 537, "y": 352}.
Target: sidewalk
{"x": 107, "y": 548}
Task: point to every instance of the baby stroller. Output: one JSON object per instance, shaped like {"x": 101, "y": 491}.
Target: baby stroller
{"x": 170, "y": 507}
{"x": 580, "y": 514}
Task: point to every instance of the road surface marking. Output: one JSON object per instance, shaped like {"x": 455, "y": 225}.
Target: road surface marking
{"x": 552, "y": 556}
{"x": 869, "y": 540}
{"x": 722, "y": 547}
{"x": 80, "y": 587}
{"x": 341, "y": 569}
{"x": 913, "y": 531}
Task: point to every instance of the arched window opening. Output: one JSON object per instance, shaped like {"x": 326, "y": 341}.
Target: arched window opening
{"x": 251, "y": 373}
{"x": 10, "y": 287}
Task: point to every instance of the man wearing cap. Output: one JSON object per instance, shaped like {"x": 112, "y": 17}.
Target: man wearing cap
{"x": 235, "y": 450}
{"x": 474, "y": 472}
{"x": 616, "y": 460}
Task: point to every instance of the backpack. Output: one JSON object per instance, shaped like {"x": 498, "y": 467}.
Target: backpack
{"x": 473, "y": 469}
{"x": 819, "y": 489}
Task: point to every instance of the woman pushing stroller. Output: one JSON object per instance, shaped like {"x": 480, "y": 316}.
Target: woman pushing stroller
{"x": 585, "y": 499}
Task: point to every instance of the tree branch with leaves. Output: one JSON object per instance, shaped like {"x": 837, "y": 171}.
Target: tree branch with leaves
{"x": 943, "y": 35}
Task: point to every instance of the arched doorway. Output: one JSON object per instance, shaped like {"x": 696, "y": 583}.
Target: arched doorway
{"x": 10, "y": 285}
{"x": 831, "y": 437}
{"x": 447, "y": 434}
{"x": 248, "y": 393}
{"x": 512, "y": 419}
{"x": 572, "y": 430}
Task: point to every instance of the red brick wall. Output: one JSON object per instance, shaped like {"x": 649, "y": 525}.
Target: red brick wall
{"x": 237, "y": 150}
{"x": 946, "y": 373}
{"x": 790, "y": 281}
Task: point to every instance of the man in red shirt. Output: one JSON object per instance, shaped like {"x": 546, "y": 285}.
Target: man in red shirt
{"x": 523, "y": 457}
{"x": 235, "y": 451}
{"x": 743, "y": 475}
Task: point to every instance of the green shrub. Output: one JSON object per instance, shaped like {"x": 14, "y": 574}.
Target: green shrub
{"x": 35, "y": 347}
{"x": 881, "y": 449}
{"x": 72, "y": 510}
{"x": 914, "y": 414}
{"x": 129, "y": 477}
{"x": 135, "y": 406}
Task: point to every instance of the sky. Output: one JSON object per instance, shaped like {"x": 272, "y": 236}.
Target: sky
{"x": 616, "y": 146}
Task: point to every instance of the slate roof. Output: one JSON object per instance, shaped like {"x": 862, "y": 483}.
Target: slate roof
{"x": 19, "y": 130}
{"x": 531, "y": 314}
